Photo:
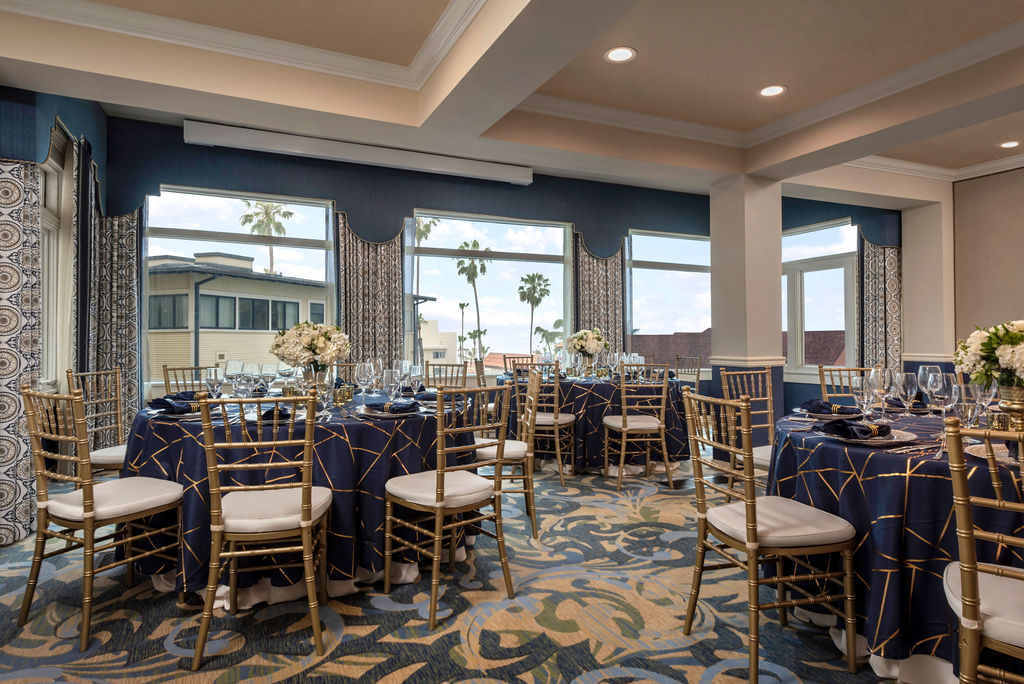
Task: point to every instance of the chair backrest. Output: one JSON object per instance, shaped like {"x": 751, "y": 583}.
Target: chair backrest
{"x": 643, "y": 389}
{"x": 344, "y": 370}
{"x": 101, "y": 393}
{"x": 184, "y": 378}
{"x": 266, "y": 442}
{"x": 835, "y": 381}
{"x": 510, "y": 359}
{"x": 58, "y": 418}
{"x": 970, "y": 528}
{"x": 481, "y": 377}
{"x": 548, "y": 398}
{"x": 462, "y": 429}
{"x": 688, "y": 369}
{"x": 707, "y": 421}
{"x": 445, "y": 374}
{"x": 527, "y": 419}
{"x": 756, "y": 385}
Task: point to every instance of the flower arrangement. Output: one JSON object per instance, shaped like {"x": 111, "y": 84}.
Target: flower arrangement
{"x": 311, "y": 344}
{"x": 993, "y": 354}
{"x": 587, "y": 342}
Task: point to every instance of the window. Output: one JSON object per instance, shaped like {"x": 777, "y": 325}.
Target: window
{"x": 316, "y": 312}
{"x": 253, "y": 261}
{"x": 484, "y": 287}
{"x": 660, "y": 263}
{"x": 167, "y": 312}
{"x": 216, "y": 312}
{"x": 818, "y": 307}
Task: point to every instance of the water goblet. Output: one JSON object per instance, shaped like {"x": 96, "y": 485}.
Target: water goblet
{"x": 984, "y": 398}
{"x": 415, "y": 377}
{"x": 881, "y": 383}
{"x": 906, "y": 386}
{"x": 392, "y": 383}
{"x": 232, "y": 369}
{"x": 939, "y": 389}
{"x": 364, "y": 376}
{"x": 860, "y": 388}
{"x": 214, "y": 381}
{"x": 923, "y": 372}
{"x": 268, "y": 374}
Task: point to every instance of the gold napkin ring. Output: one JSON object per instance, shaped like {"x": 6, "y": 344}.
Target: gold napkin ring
{"x": 874, "y": 429}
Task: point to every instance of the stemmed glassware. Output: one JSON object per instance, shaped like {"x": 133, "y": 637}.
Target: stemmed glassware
{"x": 923, "y": 372}
{"x": 378, "y": 371}
{"x": 860, "y": 388}
{"x": 286, "y": 372}
{"x": 939, "y": 389}
{"x": 880, "y": 381}
{"x": 984, "y": 398}
{"x": 906, "y": 390}
{"x": 268, "y": 374}
{"x": 392, "y": 383}
{"x": 965, "y": 404}
{"x": 214, "y": 381}
{"x": 232, "y": 369}
{"x": 415, "y": 377}
{"x": 364, "y": 376}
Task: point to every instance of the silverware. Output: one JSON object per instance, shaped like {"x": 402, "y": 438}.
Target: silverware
{"x": 909, "y": 449}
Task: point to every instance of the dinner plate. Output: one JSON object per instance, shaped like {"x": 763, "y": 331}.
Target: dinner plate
{"x": 373, "y": 413}
{"x": 913, "y": 411}
{"x": 831, "y": 416}
{"x": 999, "y": 451}
{"x": 893, "y": 438}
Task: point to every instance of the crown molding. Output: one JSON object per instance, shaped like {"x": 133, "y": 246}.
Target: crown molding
{"x": 990, "y": 167}
{"x": 876, "y": 163}
{"x": 624, "y": 118}
{"x": 453, "y": 21}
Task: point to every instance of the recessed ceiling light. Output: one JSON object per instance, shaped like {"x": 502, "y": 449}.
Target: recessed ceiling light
{"x": 772, "y": 90}
{"x": 1009, "y": 144}
{"x": 619, "y": 54}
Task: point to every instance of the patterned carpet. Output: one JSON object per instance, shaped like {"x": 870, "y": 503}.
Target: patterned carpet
{"x": 601, "y": 599}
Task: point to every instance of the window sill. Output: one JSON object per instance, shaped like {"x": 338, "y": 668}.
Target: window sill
{"x": 803, "y": 374}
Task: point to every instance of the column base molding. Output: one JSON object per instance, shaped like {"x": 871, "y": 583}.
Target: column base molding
{"x": 747, "y": 361}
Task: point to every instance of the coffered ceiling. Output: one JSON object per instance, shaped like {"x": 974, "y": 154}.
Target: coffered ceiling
{"x": 933, "y": 82}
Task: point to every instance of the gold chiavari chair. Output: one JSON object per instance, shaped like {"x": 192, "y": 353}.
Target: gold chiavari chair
{"x": 76, "y": 516}
{"x": 762, "y": 528}
{"x": 757, "y": 386}
{"x": 184, "y": 378}
{"x": 519, "y": 453}
{"x": 985, "y": 596}
{"x": 551, "y": 424}
{"x": 344, "y": 371}
{"x": 835, "y": 381}
{"x": 481, "y": 381}
{"x": 445, "y": 374}
{"x": 509, "y": 360}
{"x": 450, "y": 496}
{"x": 688, "y": 369}
{"x": 268, "y": 516}
{"x": 643, "y": 391}
{"x": 101, "y": 392}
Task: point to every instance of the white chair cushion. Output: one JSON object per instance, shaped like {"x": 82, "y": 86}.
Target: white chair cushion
{"x": 762, "y": 456}
{"x": 461, "y": 488}
{"x": 782, "y": 522}
{"x": 111, "y": 457}
{"x": 549, "y": 418}
{"x": 271, "y": 510}
{"x": 1002, "y": 603}
{"x": 514, "y": 451}
{"x": 633, "y": 423}
{"x": 116, "y": 498}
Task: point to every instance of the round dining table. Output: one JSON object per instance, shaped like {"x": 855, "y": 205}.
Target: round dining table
{"x": 901, "y": 505}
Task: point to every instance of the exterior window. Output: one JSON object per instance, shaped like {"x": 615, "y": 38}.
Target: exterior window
{"x": 661, "y": 263}
{"x": 216, "y": 312}
{"x": 316, "y": 312}
{"x": 482, "y": 287}
{"x": 253, "y": 314}
{"x": 167, "y": 312}
{"x": 285, "y": 314}
{"x": 818, "y": 308}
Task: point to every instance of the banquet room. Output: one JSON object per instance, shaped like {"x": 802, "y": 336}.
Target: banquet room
{"x": 511, "y": 340}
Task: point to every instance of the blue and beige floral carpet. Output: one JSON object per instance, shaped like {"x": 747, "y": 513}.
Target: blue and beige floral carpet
{"x": 601, "y": 598}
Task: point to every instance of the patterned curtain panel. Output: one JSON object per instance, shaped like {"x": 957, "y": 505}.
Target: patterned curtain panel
{"x": 599, "y": 293}
{"x": 19, "y": 340}
{"x": 881, "y": 306}
{"x": 369, "y": 293}
{"x": 113, "y": 305}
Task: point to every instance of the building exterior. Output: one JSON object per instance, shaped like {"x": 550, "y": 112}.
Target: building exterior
{"x": 438, "y": 347}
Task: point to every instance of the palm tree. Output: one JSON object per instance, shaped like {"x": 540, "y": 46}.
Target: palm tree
{"x": 549, "y": 337}
{"x": 471, "y": 268}
{"x": 462, "y": 334}
{"x": 423, "y": 228}
{"x": 264, "y": 218}
{"x": 535, "y": 287}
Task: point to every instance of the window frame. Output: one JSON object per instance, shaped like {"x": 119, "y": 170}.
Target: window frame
{"x": 285, "y": 301}
{"x": 234, "y": 305}
{"x": 309, "y": 311}
{"x": 149, "y": 311}
{"x": 252, "y": 313}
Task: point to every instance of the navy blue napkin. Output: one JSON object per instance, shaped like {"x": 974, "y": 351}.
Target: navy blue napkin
{"x": 340, "y": 382}
{"x": 823, "y": 407}
{"x": 916, "y": 405}
{"x": 282, "y": 414}
{"x": 425, "y": 396}
{"x": 397, "y": 406}
{"x": 176, "y": 404}
{"x": 848, "y": 429}
{"x": 671, "y": 374}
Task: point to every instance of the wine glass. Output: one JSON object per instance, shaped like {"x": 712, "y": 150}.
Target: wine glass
{"x": 922, "y": 377}
{"x": 939, "y": 389}
{"x": 243, "y": 385}
{"x": 378, "y": 370}
{"x": 881, "y": 383}
{"x": 965, "y": 404}
{"x": 232, "y": 369}
{"x": 268, "y": 374}
{"x": 392, "y": 383}
{"x": 860, "y": 388}
{"x": 984, "y": 398}
{"x": 364, "y": 376}
{"x": 415, "y": 377}
{"x": 403, "y": 366}
{"x": 906, "y": 387}
{"x": 324, "y": 386}
{"x": 214, "y": 381}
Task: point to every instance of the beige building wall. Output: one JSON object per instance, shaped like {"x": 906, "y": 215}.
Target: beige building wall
{"x": 988, "y": 248}
{"x": 435, "y": 342}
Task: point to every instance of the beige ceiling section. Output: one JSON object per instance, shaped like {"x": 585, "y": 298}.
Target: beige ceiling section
{"x": 385, "y": 30}
{"x": 153, "y": 62}
{"x": 978, "y": 93}
{"x": 967, "y": 146}
{"x": 704, "y": 61}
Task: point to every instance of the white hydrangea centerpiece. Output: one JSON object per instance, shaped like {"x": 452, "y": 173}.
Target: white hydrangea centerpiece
{"x": 311, "y": 344}
{"x": 587, "y": 342}
{"x": 993, "y": 354}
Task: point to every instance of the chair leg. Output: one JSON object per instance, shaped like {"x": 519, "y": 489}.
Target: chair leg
{"x": 499, "y": 535}
{"x": 233, "y": 579}
{"x": 451, "y": 548}
{"x": 698, "y": 572}
{"x": 604, "y": 470}
{"x": 310, "y": 576}
{"x": 970, "y": 649}
{"x": 322, "y": 561}
{"x": 780, "y": 588}
{"x": 33, "y": 574}
{"x": 129, "y": 551}
{"x": 558, "y": 453}
{"x": 664, "y": 455}
{"x": 752, "y": 614}
{"x": 87, "y": 578}
{"x": 531, "y": 504}
{"x": 732, "y": 477}
{"x": 389, "y": 509}
{"x": 216, "y": 546}
{"x": 435, "y": 576}
{"x": 622, "y": 460}
{"x": 850, "y": 611}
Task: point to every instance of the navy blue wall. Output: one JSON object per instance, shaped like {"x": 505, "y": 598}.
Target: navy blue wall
{"x": 144, "y": 155}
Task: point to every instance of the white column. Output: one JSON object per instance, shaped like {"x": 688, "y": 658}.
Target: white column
{"x": 928, "y": 295}
{"x": 746, "y": 272}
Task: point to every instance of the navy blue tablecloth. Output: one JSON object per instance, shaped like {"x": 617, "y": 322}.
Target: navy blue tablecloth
{"x": 902, "y": 508}
{"x": 590, "y": 400}
{"x": 353, "y": 458}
